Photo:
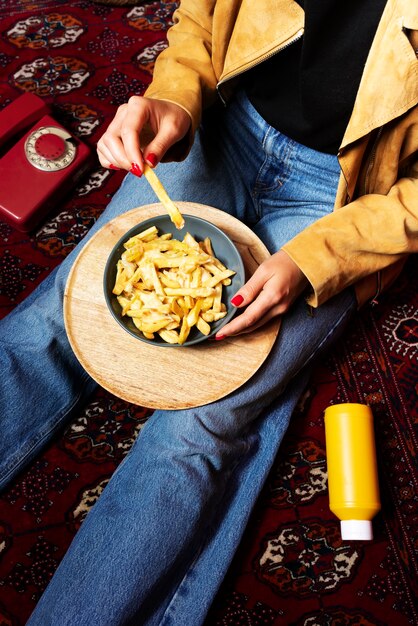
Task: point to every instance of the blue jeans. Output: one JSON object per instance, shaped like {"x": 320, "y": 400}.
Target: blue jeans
{"x": 156, "y": 546}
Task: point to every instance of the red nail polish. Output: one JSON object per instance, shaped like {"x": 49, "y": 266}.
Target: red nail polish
{"x": 237, "y": 300}
{"x": 219, "y": 337}
{"x": 152, "y": 159}
{"x": 135, "y": 169}
{"x": 113, "y": 167}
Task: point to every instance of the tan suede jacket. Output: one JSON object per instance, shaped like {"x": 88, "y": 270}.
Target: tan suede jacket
{"x": 375, "y": 222}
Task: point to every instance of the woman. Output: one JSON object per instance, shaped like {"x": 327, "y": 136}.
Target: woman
{"x": 314, "y": 147}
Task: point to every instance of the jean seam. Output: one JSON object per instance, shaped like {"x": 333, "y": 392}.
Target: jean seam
{"x": 279, "y": 181}
{"x": 258, "y": 188}
{"x": 290, "y": 145}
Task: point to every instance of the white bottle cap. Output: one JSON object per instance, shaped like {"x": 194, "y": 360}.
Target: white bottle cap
{"x": 356, "y": 529}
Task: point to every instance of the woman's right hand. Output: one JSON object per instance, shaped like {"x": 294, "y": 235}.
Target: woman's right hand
{"x": 120, "y": 146}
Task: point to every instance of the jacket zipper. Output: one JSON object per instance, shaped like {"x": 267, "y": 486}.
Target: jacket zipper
{"x": 219, "y": 86}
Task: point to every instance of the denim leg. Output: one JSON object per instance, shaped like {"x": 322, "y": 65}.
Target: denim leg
{"x": 185, "y": 490}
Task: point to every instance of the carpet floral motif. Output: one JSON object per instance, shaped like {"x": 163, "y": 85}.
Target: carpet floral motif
{"x": 304, "y": 559}
{"x": 300, "y": 476}
{"x": 45, "y": 31}
{"x": 104, "y": 431}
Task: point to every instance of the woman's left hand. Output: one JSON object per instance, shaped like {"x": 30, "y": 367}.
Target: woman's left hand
{"x": 271, "y": 290}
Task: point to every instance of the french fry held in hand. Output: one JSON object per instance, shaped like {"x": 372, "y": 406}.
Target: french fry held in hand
{"x": 171, "y": 208}
{"x": 168, "y": 286}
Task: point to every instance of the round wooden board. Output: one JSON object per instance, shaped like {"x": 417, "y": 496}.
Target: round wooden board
{"x": 153, "y": 376}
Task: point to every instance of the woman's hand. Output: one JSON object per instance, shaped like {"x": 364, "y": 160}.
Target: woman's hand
{"x": 120, "y": 147}
{"x": 271, "y": 290}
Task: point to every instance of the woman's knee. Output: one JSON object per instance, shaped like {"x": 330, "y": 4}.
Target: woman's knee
{"x": 195, "y": 433}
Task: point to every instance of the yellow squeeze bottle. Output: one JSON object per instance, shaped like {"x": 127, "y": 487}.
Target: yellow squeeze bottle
{"x": 352, "y": 470}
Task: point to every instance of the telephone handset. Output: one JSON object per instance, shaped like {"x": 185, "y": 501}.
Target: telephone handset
{"x": 39, "y": 161}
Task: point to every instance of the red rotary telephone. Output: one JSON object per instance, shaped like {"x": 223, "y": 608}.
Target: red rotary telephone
{"x": 39, "y": 162}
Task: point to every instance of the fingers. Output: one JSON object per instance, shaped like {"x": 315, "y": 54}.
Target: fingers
{"x": 271, "y": 290}
{"x": 254, "y": 285}
{"x": 109, "y": 147}
{"x": 229, "y": 329}
{"x": 120, "y": 146}
{"x": 255, "y": 315}
{"x": 137, "y": 115}
{"x": 172, "y": 127}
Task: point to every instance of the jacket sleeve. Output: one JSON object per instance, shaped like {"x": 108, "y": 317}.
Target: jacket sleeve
{"x": 183, "y": 72}
{"x": 367, "y": 235}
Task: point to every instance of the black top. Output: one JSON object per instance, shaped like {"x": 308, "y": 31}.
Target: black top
{"x": 307, "y": 90}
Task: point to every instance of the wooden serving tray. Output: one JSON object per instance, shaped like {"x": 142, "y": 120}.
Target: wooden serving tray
{"x": 148, "y": 375}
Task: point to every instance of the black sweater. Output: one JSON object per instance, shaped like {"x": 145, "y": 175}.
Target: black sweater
{"x": 307, "y": 90}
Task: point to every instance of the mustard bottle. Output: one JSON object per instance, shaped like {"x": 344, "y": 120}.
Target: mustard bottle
{"x": 352, "y": 469}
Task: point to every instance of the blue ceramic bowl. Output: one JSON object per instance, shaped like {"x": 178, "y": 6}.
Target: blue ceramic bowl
{"x": 224, "y": 249}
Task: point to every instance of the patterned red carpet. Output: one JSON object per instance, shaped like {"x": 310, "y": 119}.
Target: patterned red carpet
{"x": 292, "y": 567}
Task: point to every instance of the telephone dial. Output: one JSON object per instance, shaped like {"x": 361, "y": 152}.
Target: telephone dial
{"x": 39, "y": 162}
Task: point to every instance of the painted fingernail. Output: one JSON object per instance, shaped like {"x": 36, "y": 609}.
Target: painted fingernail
{"x": 219, "y": 337}
{"x": 237, "y": 300}
{"x": 113, "y": 167}
{"x": 152, "y": 159}
{"x": 135, "y": 169}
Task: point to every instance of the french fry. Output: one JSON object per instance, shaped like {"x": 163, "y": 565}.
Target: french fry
{"x": 145, "y": 235}
{"x": 167, "y": 287}
{"x": 207, "y": 246}
{"x": 170, "y": 336}
{"x": 120, "y": 281}
{"x": 217, "y": 302}
{"x": 172, "y": 209}
{"x": 193, "y": 316}
{"x": 218, "y": 278}
{"x": 203, "y": 326}
{"x": 184, "y": 331}
{"x": 213, "y": 316}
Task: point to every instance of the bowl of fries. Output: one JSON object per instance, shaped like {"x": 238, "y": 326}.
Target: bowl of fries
{"x": 172, "y": 287}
